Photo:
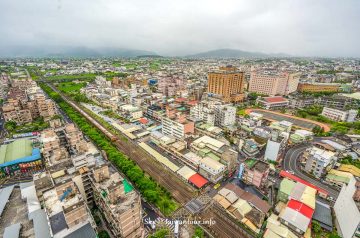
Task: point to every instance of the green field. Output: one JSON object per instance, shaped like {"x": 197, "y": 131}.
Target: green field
{"x": 70, "y": 87}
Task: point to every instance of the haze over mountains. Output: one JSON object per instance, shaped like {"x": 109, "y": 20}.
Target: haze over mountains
{"x": 232, "y": 53}
{"x": 61, "y": 51}
{"x": 52, "y": 51}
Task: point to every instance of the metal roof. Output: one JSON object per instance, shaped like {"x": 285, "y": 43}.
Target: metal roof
{"x": 84, "y": 231}
{"x": 322, "y": 214}
{"x": 58, "y": 222}
{"x": 4, "y": 197}
{"x": 41, "y": 226}
{"x": 12, "y": 231}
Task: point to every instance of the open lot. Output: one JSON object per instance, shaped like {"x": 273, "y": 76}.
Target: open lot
{"x": 297, "y": 121}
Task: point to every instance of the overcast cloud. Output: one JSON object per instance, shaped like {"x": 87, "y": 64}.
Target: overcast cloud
{"x": 169, "y": 27}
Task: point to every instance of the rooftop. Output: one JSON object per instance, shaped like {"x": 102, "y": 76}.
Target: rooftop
{"x": 15, "y": 150}
{"x": 275, "y": 99}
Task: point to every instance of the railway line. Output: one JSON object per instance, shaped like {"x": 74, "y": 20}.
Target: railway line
{"x": 181, "y": 192}
{"x": 223, "y": 226}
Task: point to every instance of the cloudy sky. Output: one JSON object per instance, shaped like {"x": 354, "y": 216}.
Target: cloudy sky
{"x": 180, "y": 27}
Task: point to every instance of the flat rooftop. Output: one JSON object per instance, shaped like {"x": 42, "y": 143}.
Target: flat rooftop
{"x": 15, "y": 150}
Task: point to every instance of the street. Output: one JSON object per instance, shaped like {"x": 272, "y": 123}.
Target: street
{"x": 290, "y": 163}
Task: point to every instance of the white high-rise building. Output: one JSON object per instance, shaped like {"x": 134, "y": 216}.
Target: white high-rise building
{"x": 225, "y": 115}
{"x": 214, "y": 113}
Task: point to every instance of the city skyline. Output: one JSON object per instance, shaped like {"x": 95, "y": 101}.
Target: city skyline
{"x": 296, "y": 28}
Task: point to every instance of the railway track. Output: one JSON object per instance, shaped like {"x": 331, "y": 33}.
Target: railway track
{"x": 180, "y": 191}
{"x": 223, "y": 226}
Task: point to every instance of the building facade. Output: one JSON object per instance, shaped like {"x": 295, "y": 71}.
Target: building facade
{"x": 318, "y": 87}
{"x": 339, "y": 115}
{"x": 273, "y": 83}
{"x": 228, "y": 82}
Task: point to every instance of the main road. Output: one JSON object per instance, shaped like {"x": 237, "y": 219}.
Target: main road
{"x": 291, "y": 163}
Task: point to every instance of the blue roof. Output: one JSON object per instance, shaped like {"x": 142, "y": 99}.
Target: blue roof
{"x": 35, "y": 155}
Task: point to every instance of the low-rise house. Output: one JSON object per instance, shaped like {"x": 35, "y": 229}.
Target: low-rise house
{"x": 271, "y": 103}
{"x": 338, "y": 178}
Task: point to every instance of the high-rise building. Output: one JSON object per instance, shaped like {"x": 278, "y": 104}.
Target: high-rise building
{"x": 227, "y": 83}
{"x": 273, "y": 83}
{"x": 118, "y": 201}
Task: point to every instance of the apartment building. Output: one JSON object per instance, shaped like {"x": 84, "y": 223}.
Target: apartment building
{"x": 51, "y": 147}
{"x": 171, "y": 85}
{"x": 119, "y": 202}
{"x": 228, "y": 83}
{"x": 204, "y": 111}
{"x": 256, "y": 173}
{"x": 214, "y": 113}
{"x": 225, "y": 115}
{"x": 21, "y": 108}
{"x": 273, "y": 83}
{"x": 318, "y": 87}
{"x": 16, "y": 113}
{"x": 75, "y": 139}
{"x": 67, "y": 211}
{"x": 177, "y": 127}
{"x": 211, "y": 169}
{"x": 339, "y": 115}
{"x": 4, "y": 85}
{"x": 319, "y": 161}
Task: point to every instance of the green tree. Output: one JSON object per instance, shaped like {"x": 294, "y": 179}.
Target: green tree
{"x": 103, "y": 234}
{"x": 316, "y": 227}
{"x": 10, "y": 125}
{"x": 160, "y": 234}
{"x": 199, "y": 233}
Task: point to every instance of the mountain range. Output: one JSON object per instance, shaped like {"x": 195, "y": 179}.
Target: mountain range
{"x": 65, "y": 51}
{"x": 232, "y": 53}
{"x": 61, "y": 51}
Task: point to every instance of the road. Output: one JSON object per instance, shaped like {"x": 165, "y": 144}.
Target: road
{"x": 291, "y": 163}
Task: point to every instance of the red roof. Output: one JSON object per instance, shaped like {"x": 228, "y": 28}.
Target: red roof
{"x": 180, "y": 99}
{"x": 198, "y": 180}
{"x": 301, "y": 208}
{"x": 285, "y": 174}
{"x": 143, "y": 120}
{"x": 192, "y": 103}
{"x": 275, "y": 99}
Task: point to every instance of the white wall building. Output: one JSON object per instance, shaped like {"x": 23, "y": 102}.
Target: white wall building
{"x": 319, "y": 161}
{"x": 338, "y": 115}
{"x": 214, "y": 113}
{"x": 211, "y": 169}
{"x": 347, "y": 212}
{"x": 275, "y": 146}
{"x": 225, "y": 115}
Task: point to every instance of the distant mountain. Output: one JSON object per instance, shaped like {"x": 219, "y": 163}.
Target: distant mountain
{"x": 61, "y": 51}
{"x": 231, "y": 53}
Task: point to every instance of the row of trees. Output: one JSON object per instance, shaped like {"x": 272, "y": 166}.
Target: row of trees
{"x": 149, "y": 189}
